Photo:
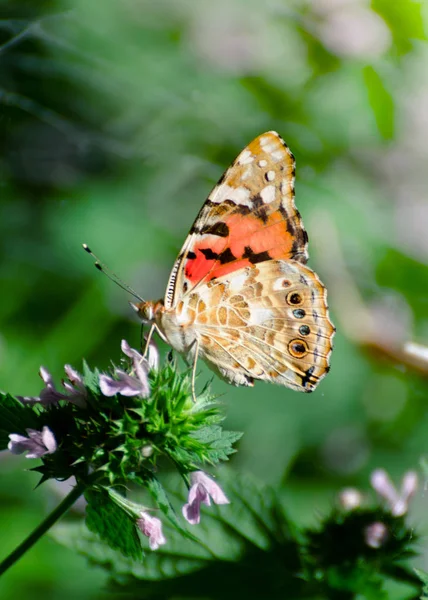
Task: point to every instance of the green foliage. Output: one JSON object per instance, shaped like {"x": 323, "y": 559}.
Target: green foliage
{"x": 113, "y": 525}
{"x": 251, "y": 545}
{"x": 423, "y": 576}
{"x": 15, "y": 418}
{"x": 108, "y": 442}
{"x": 116, "y": 120}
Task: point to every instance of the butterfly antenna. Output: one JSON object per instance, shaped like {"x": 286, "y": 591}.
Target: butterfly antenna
{"x": 112, "y": 276}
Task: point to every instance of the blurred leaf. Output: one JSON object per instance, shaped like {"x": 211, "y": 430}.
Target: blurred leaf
{"x": 381, "y": 101}
{"x": 398, "y": 271}
{"x": 112, "y": 524}
{"x": 405, "y": 20}
{"x": 252, "y": 530}
{"x": 423, "y": 576}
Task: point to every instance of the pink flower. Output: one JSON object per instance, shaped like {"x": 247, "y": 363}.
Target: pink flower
{"x": 50, "y": 395}
{"x": 203, "y": 489}
{"x": 151, "y": 527}
{"x": 397, "y": 501}
{"x": 137, "y": 358}
{"x": 376, "y": 534}
{"x": 134, "y": 384}
{"x": 37, "y": 444}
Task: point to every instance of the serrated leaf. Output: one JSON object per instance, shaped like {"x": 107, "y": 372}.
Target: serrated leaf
{"x": 246, "y": 545}
{"x": 91, "y": 378}
{"x": 15, "y": 417}
{"x": 112, "y": 524}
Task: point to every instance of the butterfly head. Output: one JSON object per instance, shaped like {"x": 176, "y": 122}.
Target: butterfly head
{"x": 147, "y": 311}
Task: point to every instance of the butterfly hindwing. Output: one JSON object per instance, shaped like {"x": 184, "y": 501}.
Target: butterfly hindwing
{"x": 248, "y": 218}
{"x": 269, "y": 321}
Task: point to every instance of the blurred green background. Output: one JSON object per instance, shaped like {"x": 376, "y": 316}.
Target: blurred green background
{"x": 116, "y": 119}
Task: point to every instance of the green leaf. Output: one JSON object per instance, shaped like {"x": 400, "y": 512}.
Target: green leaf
{"x": 91, "y": 378}
{"x": 159, "y": 494}
{"x": 15, "y": 417}
{"x": 405, "y": 20}
{"x": 423, "y": 576}
{"x": 219, "y": 442}
{"x": 112, "y": 524}
{"x": 381, "y": 102}
{"x": 252, "y": 531}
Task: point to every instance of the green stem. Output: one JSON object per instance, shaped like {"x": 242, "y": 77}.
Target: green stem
{"x": 50, "y": 520}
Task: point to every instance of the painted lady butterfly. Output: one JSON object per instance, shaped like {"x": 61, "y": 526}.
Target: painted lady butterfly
{"x": 240, "y": 295}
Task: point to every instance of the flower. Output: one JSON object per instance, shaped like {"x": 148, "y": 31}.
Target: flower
{"x": 350, "y": 498}
{"x": 137, "y": 358}
{"x": 152, "y": 528}
{"x": 203, "y": 488}
{"x": 134, "y": 384}
{"x": 76, "y": 387}
{"x": 376, "y": 534}
{"x": 37, "y": 444}
{"x": 50, "y": 395}
{"x": 397, "y": 502}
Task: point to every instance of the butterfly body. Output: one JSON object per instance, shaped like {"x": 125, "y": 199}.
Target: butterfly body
{"x": 240, "y": 295}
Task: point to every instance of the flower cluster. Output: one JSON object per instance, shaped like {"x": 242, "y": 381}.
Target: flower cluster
{"x": 396, "y": 502}
{"x": 108, "y": 428}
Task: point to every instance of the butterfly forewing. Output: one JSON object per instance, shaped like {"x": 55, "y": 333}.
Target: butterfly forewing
{"x": 248, "y": 218}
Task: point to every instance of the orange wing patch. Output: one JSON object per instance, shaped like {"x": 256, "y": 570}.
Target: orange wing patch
{"x": 249, "y": 217}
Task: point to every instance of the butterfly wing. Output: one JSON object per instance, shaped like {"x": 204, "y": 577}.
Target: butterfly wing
{"x": 269, "y": 322}
{"x": 248, "y": 218}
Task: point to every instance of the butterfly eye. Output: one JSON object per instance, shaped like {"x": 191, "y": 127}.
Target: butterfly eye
{"x": 299, "y": 313}
{"x": 304, "y": 330}
{"x": 286, "y": 283}
{"x": 294, "y": 298}
{"x": 298, "y": 348}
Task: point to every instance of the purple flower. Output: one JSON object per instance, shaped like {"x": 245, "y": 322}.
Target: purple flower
{"x": 397, "y": 501}
{"x": 135, "y": 383}
{"x": 376, "y": 534}
{"x": 151, "y": 527}
{"x": 37, "y": 444}
{"x": 137, "y": 358}
{"x": 203, "y": 489}
{"x": 50, "y": 395}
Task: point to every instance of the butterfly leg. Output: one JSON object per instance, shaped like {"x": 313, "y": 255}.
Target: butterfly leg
{"x": 149, "y": 339}
{"x": 195, "y": 361}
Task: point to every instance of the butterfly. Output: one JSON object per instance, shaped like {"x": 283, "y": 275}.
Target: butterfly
{"x": 240, "y": 295}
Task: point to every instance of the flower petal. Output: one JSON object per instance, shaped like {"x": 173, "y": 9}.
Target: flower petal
{"x": 213, "y": 489}
{"x": 37, "y": 444}
{"x": 125, "y": 384}
{"x": 151, "y": 527}
{"x": 192, "y": 510}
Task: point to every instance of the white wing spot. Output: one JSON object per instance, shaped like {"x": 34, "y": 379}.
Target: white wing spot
{"x": 239, "y": 195}
{"x": 262, "y": 163}
{"x": 277, "y": 155}
{"x": 270, "y": 175}
{"x": 268, "y": 194}
{"x": 259, "y": 315}
{"x": 285, "y": 187}
{"x": 237, "y": 281}
{"x": 245, "y": 158}
{"x": 247, "y": 173}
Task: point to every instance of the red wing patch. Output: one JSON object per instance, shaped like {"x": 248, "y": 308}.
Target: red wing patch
{"x": 249, "y": 217}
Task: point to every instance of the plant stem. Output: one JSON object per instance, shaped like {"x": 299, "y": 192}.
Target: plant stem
{"x": 50, "y": 520}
